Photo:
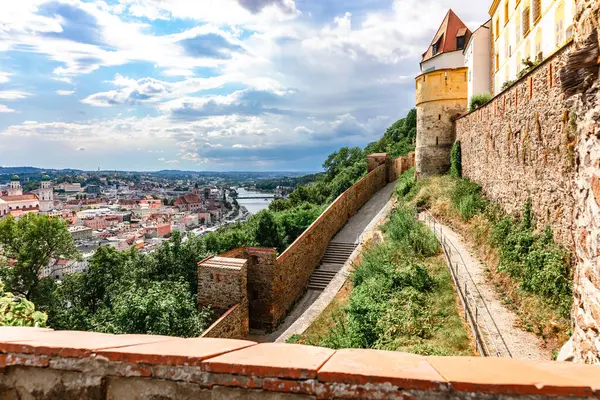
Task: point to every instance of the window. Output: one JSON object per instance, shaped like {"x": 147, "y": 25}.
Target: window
{"x": 497, "y": 61}
{"x": 460, "y": 42}
{"x": 536, "y": 6}
{"x": 506, "y": 12}
{"x": 526, "y": 24}
{"x": 497, "y": 30}
{"x": 518, "y": 29}
{"x": 559, "y": 24}
{"x": 436, "y": 46}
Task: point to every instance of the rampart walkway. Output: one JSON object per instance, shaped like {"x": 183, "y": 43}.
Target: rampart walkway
{"x": 315, "y": 301}
{"x": 496, "y": 322}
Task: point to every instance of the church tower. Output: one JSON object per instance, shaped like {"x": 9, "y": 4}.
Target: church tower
{"x": 46, "y": 195}
{"x": 15, "y": 186}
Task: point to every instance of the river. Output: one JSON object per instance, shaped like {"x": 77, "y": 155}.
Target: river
{"x": 253, "y": 205}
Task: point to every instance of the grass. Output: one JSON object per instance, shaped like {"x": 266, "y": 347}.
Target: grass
{"x": 529, "y": 270}
{"x": 400, "y": 296}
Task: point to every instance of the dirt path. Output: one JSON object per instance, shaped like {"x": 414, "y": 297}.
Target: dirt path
{"x": 497, "y": 322}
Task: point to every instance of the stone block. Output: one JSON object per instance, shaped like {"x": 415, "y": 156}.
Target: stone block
{"x": 153, "y": 389}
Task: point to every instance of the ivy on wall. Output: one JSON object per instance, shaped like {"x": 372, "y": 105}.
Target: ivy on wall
{"x": 456, "y": 160}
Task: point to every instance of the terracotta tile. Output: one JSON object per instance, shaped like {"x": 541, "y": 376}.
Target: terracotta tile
{"x": 359, "y": 367}
{"x": 272, "y": 359}
{"x": 74, "y": 343}
{"x": 587, "y": 375}
{"x": 174, "y": 352}
{"x": 504, "y": 375}
{"x": 9, "y": 333}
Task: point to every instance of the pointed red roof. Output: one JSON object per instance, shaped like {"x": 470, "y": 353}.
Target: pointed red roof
{"x": 445, "y": 37}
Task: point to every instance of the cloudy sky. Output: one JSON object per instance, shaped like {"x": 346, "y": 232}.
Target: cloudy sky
{"x": 207, "y": 84}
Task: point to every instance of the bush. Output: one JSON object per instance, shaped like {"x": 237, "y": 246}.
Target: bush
{"x": 479, "y": 100}
{"x": 405, "y": 183}
{"x": 411, "y": 236}
{"x": 539, "y": 265}
{"x": 456, "y": 160}
{"x": 467, "y": 200}
{"x": 18, "y": 311}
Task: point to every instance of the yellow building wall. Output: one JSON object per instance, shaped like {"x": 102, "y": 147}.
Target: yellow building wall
{"x": 515, "y": 39}
{"x": 440, "y": 97}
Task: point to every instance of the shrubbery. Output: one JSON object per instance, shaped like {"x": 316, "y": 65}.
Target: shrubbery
{"x": 534, "y": 260}
{"x": 479, "y": 100}
{"x": 456, "y": 160}
{"x": 18, "y": 311}
{"x": 392, "y": 305}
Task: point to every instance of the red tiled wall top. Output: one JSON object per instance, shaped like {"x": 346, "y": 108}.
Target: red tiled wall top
{"x": 315, "y": 371}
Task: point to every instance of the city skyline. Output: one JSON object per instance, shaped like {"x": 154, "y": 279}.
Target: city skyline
{"x": 235, "y": 86}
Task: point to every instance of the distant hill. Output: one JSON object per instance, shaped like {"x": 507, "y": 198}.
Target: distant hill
{"x": 33, "y": 170}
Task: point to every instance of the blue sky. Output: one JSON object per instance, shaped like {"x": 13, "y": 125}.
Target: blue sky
{"x": 207, "y": 84}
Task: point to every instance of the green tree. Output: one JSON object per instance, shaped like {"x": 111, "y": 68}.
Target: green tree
{"x": 159, "y": 308}
{"x": 267, "y": 231}
{"x": 32, "y": 242}
{"x": 18, "y": 311}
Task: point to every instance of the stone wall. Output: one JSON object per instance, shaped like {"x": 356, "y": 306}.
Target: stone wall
{"x": 261, "y": 283}
{"x": 540, "y": 139}
{"x": 232, "y": 325}
{"x": 586, "y": 113}
{"x": 222, "y": 283}
{"x": 297, "y": 263}
{"x": 520, "y": 146}
{"x": 401, "y": 164}
{"x": 64, "y": 365}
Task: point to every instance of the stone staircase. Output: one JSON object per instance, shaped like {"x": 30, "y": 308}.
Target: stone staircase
{"x": 334, "y": 259}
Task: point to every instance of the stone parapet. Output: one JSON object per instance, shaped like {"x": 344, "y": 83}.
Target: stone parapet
{"x": 234, "y": 324}
{"x": 46, "y": 364}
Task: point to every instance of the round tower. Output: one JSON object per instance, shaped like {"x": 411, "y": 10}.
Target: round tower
{"x": 441, "y": 96}
{"x": 46, "y": 194}
{"x": 14, "y": 189}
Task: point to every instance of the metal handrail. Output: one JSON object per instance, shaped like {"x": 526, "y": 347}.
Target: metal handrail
{"x": 467, "y": 297}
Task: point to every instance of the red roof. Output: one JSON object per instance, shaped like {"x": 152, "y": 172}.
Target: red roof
{"x": 20, "y": 198}
{"x": 451, "y": 28}
{"x": 188, "y": 199}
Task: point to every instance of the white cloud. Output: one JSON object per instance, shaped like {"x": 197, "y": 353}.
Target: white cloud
{"x": 4, "y": 77}
{"x": 65, "y": 92}
{"x": 63, "y": 79}
{"x": 161, "y": 159}
{"x": 5, "y": 109}
{"x": 81, "y": 148}
{"x": 13, "y": 95}
{"x": 172, "y": 162}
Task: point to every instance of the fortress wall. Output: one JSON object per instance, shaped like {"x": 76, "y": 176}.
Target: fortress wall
{"x": 297, "y": 263}
{"x": 520, "y": 146}
{"x": 586, "y": 111}
{"x": 231, "y": 325}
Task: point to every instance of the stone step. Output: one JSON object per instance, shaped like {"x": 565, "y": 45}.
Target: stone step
{"x": 340, "y": 244}
{"x": 323, "y": 274}
{"x": 334, "y": 260}
{"x": 316, "y": 287}
{"x": 336, "y": 251}
{"x": 330, "y": 254}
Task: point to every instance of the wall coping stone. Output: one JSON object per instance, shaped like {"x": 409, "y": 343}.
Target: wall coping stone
{"x": 289, "y": 368}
